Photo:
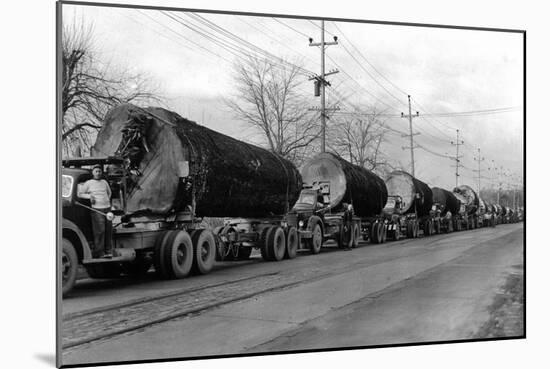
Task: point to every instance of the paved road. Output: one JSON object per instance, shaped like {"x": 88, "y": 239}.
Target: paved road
{"x": 432, "y": 289}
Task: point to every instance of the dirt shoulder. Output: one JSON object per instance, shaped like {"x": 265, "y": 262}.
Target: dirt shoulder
{"x": 507, "y": 317}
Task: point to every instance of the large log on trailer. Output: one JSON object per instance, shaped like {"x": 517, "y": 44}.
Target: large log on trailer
{"x": 446, "y": 200}
{"x": 415, "y": 194}
{"x": 348, "y": 184}
{"x": 491, "y": 209}
{"x": 226, "y": 177}
{"x": 482, "y": 209}
{"x": 469, "y": 198}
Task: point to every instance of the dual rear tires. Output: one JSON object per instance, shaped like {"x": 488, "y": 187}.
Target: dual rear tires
{"x": 177, "y": 254}
{"x": 412, "y": 229}
{"x": 378, "y": 233}
{"x": 272, "y": 243}
{"x": 351, "y": 237}
{"x": 276, "y": 244}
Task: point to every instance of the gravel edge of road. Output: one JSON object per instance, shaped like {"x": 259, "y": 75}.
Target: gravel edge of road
{"x": 507, "y": 313}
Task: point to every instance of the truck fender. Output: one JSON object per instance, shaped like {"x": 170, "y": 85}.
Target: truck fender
{"x": 84, "y": 252}
{"x": 312, "y": 221}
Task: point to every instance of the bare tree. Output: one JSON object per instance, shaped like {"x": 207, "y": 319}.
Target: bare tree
{"x": 358, "y": 137}
{"x": 90, "y": 87}
{"x": 266, "y": 98}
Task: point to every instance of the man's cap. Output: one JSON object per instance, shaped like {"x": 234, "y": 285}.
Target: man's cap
{"x": 98, "y": 166}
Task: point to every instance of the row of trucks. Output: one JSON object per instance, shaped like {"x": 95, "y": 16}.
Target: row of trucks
{"x": 185, "y": 196}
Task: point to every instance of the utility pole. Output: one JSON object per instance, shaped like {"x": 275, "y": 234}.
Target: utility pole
{"x": 479, "y": 159}
{"x": 411, "y": 134}
{"x": 321, "y": 82}
{"x": 499, "y": 184}
{"x": 457, "y": 143}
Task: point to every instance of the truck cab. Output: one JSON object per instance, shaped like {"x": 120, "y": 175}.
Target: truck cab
{"x": 394, "y": 205}
{"x": 77, "y": 232}
{"x": 313, "y": 200}
{"x": 316, "y": 220}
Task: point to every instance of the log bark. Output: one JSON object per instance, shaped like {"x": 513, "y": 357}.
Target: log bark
{"x": 227, "y": 177}
{"x": 446, "y": 200}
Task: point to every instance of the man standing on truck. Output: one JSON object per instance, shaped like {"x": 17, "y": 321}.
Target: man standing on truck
{"x": 97, "y": 190}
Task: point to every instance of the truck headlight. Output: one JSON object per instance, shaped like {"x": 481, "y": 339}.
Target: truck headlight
{"x": 301, "y": 223}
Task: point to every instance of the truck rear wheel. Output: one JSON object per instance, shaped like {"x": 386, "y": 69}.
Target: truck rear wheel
{"x": 427, "y": 228}
{"x": 374, "y": 233}
{"x": 220, "y": 245}
{"x": 158, "y": 260}
{"x": 204, "y": 251}
{"x": 415, "y": 227}
{"x": 396, "y": 233}
{"x": 276, "y": 244}
{"x": 410, "y": 230}
{"x": 69, "y": 266}
{"x": 383, "y": 233}
{"x": 264, "y": 247}
{"x": 177, "y": 255}
{"x": 291, "y": 243}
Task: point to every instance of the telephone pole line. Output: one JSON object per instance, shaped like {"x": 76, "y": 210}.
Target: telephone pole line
{"x": 321, "y": 82}
{"x": 411, "y": 134}
{"x": 458, "y": 143}
{"x": 501, "y": 174}
{"x": 479, "y": 159}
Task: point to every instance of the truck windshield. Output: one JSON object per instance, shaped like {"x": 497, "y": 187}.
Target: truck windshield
{"x": 306, "y": 198}
{"x": 66, "y": 186}
{"x": 391, "y": 202}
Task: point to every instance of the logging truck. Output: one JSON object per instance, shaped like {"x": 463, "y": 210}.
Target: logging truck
{"x": 168, "y": 176}
{"x": 339, "y": 201}
{"x": 409, "y": 207}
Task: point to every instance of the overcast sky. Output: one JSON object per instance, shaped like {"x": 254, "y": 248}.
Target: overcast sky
{"x": 446, "y": 71}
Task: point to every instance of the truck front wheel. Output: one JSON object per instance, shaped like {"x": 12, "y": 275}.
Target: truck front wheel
{"x": 276, "y": 244}
{"x": 317, "y": 239}
{"x": 69, "y": 266}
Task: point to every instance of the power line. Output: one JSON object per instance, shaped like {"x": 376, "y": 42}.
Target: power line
{"x": 292, "y": 28}
{"x": 273, "y": 38}
{"x": 244, "y": 42}
{"x": 475, "y": 112}
{"x": 370, "y": 75}
{"x": 369, "y": 63}
{"x": 182, "y": 36}
{"x": 336, "y": 64}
